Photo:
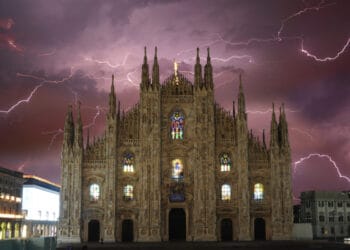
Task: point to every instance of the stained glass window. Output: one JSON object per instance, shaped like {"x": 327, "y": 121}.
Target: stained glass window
{"x": 128, "y": 163}
{"x": 225, "y": 163}
{"x": 177, "y": 172}
{"x": 258, "y": 191}
{"x": 128, "y": 192}
{"x": 94, "y": 192}
{"x": 225, "y": 192}
{"x": 177, "y": 126}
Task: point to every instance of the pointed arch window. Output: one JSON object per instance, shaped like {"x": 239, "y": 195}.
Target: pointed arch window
{"x": 128, "y": 192}
{"x": 177, "y": 170}
{"x": 94, "y": 192}
{"x": 225, "y": 163}
{"x": 258, "y": 191}
{"x": 226, "y": 192}
{"x": 128, "y": 163}
{"x": 177, "y": 126}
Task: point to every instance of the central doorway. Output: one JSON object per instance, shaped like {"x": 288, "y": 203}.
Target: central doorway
{"x": 127, "y": 231}
{"x": 226, "y": 230}
{"x": 94, "y": 230}
{"x": 177, "y": 224}
{"x": 259, "y": 229}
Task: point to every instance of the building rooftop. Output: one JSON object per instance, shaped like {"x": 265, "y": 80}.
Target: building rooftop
{"x": 341, "y": 195}
{"x": 35, "y": 180}
{"x": 11, "y": 172}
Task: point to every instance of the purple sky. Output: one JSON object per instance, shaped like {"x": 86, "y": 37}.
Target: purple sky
{"x": 55, "y": 52}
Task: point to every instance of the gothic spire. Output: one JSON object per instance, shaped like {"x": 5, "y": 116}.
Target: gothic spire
{"x": 273, "y": 129}
{"x": 208, "y": 73}
{"x": 79, "y": 130}
{"x": 155, "y": 72}
{"x": 198, "y": 71}
{"x": 112, "y": 100}
{"x": 283, "y": 126}
{"x": 263, "y": 139}
{"x": 69, "y": 128}
{"x": 241, "y": 99}
{"x": 145, "y": 72}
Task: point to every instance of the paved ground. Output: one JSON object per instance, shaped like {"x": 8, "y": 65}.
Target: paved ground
{"x": 280, "y": 245}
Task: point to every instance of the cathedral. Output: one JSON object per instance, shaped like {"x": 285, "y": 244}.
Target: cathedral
{"x": 176, "y": 166}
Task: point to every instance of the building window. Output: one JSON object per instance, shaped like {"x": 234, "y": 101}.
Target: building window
{"x": 348, "y": 217}
{"x": 348, "y": 204}
{"x": 178, "y": 170}
{"x": 128, "y": 192}
{"x": 341, "y": 229}
{"x": 225, "y": 192}
{"x": 332, "y": 230}
{"x": 128, "y": 163}
{"x": 225, "y": 163}
{"x": 307, "y": 217}
{"x": 258, "y": 191}
{"x": 340, "y": 218}
{"x": 321, "y": 203}
{"x": 94, "y": 192}
{"x": 330, "y": 203}
{"x": 331, "y": 217}
{"x": 177, "y": 126}
{"x": 340, "y": 204}
{"x": 321, "y": 218}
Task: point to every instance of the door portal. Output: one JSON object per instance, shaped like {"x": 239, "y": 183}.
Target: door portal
{"x": 177, "y": 224}
{"x": 226, "y": 230}
{"x": 127, "y": 231}
{"x": 259, "y": 229}
{"x": 94, "y": 230}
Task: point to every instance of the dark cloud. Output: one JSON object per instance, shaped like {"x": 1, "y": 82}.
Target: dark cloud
{"x": 82, "y": 43}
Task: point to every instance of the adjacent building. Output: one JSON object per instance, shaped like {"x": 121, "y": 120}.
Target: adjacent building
{"x": 176, "y": 166}
{"x": 10, "y": 203}
{"x": 29, "y": 205}
{"x": 327, "y": 211}
{"x": 40, "y": 206}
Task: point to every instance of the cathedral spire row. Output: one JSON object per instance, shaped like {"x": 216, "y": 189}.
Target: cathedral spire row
{"x": 208, "y": 73}
{"x": 112, "y": 100}
{"x": 69, "y": 128}
{"x": 198, "y": 71}
{"x": 145, "y": 71}
{"x": 155, "y": 71}
{"x": 283, "y": 128}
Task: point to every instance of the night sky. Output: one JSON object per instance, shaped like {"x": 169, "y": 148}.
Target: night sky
{"x": 53, "y": 53}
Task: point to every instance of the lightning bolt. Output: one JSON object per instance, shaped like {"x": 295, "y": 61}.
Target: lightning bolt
{"x": 303, "y": 132}
{"x": 50, "y": 53}
{"x": 108, "y": 63}
{"x": 93, "y": 122}
{"x": 334, "y": 164}
{"x": 328, "y": 58}
{"x": 54, "y": 134}
{"x": 35, "y": 89}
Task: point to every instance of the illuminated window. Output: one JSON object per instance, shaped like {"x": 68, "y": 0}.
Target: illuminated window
{"x": 177, "y": 172}
{"x": 128, "y": 163}
{"x": 177, "y": 126}
{"x": 225, "y": 163}
{"x": 225, "y": 192}
{"x": 94, "y": 192}
{"x": 128, "y": 192}
{"x": 258, "y": 191}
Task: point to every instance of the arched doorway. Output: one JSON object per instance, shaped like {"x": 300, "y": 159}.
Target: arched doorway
{"x": 177, "y": 224}
{"x": 259, "y": 229}
{"x": 94, "y": 230}
{"x": 127, "y": 231}
{"x": 226, "y": 230}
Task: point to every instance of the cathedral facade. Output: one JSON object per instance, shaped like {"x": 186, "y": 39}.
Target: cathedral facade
{"x": 176, "y": 166}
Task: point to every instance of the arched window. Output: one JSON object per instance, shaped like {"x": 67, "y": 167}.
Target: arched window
{"x": 178, "y": 170}
{"x": 128, "y": 163}
{"x": 128, "y": 192}
{"x": 225, "y": 163}
{"x": 225, "y": 192}
{"x": 94, "y": 192}
{"x": 177, "y": 126}
{"x": 258, "y": 191}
